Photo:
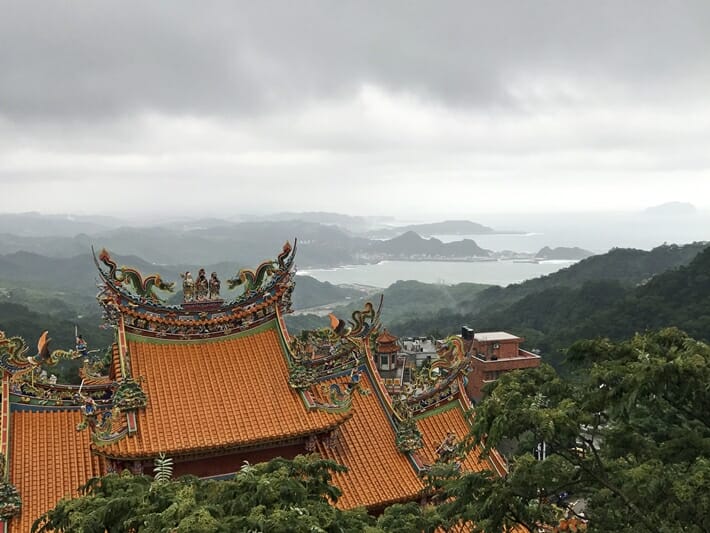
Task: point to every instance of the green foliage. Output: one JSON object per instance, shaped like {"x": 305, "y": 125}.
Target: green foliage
{"x": 163, "y": 468}
{"x": 307, "y": 322}
{"x": 278, "y": 496}
{"x": 409, "y": 517}
{"x": 411, "y": 301}
{"x": 630, "y": 435}
{"x": 406, "y": 299}
{"x": 10, "y": 501}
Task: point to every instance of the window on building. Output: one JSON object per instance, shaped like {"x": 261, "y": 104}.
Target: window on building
{"x": 493, "y": 375}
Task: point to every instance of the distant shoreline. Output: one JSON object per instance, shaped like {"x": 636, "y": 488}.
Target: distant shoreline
{"x": 305, "y": 270}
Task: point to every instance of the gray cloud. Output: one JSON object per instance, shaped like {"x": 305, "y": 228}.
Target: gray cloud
{"x": 397, "y": 106}
{"x": 63, "y": 60}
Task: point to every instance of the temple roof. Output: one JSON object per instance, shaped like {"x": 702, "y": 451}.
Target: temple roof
{"x": 436, "y": 424}
{"x": 216, "y": 394}
{"x": 386, "y": 343}
{"x": 49, "y": 459}
{"x": 386, "y": 337}
{"x": 378, "y": 473}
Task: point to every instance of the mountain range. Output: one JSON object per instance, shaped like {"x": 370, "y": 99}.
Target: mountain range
{"x": 245, "y": 244}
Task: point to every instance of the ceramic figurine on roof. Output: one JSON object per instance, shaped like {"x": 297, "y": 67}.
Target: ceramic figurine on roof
{"x": 201, "y": 285}
{"x": 261, "y": 278}
{"x": 188, "y": 287}
{"x": 215, "y": 285}
{"x": 81, "y": 347}
{"x": 319, "y": 353}
{"x": 441, "y": 379}
{"x": 89, "y": 413}
{"x": 409, "y": 438}
{"x": 252, "y": 280}
{"x": 447, "y": 449}
{"x": 364, "y": 322}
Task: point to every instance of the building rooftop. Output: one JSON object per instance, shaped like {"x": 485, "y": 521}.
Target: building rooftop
{"x": 378, "y": 473}
{"x": 216, "y": 394}
{"x": 49, "y": 460}
{"x": 435, "y": 425}
{"x": 491, "y": 336}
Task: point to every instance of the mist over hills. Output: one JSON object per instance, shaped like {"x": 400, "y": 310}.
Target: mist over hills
{"x": 246, "y": 244}
{"x": 39, "y": 225}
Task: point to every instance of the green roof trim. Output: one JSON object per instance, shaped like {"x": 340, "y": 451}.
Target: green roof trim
{"x": 441, "y": 409}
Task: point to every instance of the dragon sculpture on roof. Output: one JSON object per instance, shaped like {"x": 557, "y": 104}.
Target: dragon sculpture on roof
{"x": 127, "y": 276}
{"x": 14, "y": 358}
{"x": 254, "y": 280}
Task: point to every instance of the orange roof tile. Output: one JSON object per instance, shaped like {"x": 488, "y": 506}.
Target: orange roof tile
{"x": 386, "y": 337}
{"x": 49, "y": 459}
{"x": 216, "y": 393}
{"x": 435, "y": 425}
{"x": 378, "y": 473}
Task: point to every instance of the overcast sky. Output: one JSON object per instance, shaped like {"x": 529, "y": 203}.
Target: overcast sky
{"x": 376, "y": 107}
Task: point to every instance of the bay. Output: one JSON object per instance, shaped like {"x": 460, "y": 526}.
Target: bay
{"x": 385, "y": 273}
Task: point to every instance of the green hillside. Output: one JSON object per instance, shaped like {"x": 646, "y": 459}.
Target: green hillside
{"x": 554, "y": 316}
{"x": 627, "y": 266}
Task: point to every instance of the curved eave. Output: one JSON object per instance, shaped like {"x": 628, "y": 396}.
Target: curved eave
{"x": 225, "y": 448}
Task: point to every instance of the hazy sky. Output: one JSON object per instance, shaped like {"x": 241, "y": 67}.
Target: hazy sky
{"x": 361, "y": 107}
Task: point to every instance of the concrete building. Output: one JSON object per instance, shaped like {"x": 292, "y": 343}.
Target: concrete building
{"x": 495, "y": 353}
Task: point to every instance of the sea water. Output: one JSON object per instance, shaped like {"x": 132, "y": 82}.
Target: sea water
{"x": 385, "y": 273}
{"x": 597, "y": 233}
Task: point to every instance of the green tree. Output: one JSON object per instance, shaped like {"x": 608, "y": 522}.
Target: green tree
{"x": 629, "y": 436}
{"x": 278, "y": 496}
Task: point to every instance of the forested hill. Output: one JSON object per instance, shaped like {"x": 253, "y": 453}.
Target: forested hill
{"x": 616, "y": 304}
{"x": 626, "y": 266}
{"x": 678, "y": 297}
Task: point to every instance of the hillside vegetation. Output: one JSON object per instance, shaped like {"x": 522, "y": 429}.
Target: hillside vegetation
{"x": 597, "y": 297}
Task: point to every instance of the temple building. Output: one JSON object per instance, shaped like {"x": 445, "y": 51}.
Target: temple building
{"x": 386, "y": 351}
{"x": 213, "y": 382}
